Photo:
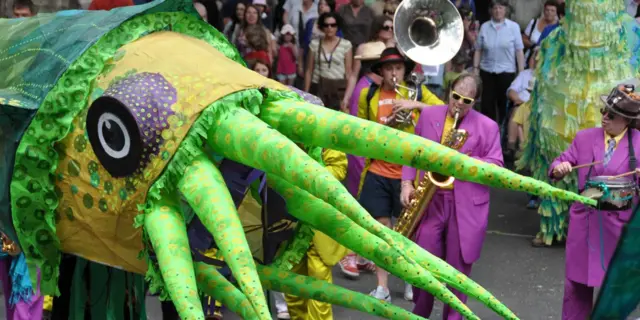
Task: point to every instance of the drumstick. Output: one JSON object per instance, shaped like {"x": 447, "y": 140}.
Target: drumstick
{"x": 586, "y": 165}
{"x": 622, "y": 175}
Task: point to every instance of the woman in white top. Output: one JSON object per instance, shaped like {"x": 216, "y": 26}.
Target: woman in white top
{"x": 534, "y": 29}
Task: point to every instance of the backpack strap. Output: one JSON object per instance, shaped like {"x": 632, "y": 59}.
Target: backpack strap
{"x": 372, "y": 90}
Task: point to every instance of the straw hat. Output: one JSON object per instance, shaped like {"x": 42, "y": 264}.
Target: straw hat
{"x": 371, "y": 51}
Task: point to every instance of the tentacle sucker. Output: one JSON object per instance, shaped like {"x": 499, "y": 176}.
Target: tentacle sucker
{"x": 167, "y": 232}
{"x": 206, "y": 192}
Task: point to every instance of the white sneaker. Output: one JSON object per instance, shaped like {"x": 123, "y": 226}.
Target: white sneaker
{"x": 408, "y": 292}
{"x": 283, "y": 315}
{"x": 381, "y": 293}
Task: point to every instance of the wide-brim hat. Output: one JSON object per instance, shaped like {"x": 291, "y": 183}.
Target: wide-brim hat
{"x": 371, "y": 51}
{"x": 623, "y": 100}
{"x": 391, "y": 55}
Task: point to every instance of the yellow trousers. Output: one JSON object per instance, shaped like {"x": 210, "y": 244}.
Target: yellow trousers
{"x": 305, "y": 309}
{"x": 48, "y": 303}
{"x": 323, "y": 254}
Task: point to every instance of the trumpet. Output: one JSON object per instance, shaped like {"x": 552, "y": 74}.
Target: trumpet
{"x": 405, "y": 118}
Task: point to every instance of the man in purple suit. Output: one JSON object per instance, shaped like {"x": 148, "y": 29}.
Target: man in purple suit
{"x": 594, "y": 232}
{"x": 454, "y": 224}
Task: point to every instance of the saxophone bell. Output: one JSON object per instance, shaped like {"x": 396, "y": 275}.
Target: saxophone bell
{"x": 455, "y": 139}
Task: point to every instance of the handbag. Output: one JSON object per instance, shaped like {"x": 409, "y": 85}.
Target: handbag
{"x": 331, "y": 91}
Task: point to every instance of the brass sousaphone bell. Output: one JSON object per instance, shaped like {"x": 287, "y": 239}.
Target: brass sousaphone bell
{"x": 429, "y": 32}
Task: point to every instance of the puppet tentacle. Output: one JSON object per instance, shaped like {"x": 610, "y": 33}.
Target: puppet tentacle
{"x": 214, "y": 284}
{"x": 166, "y": 229}
{"x": 206, "y": 192}
{"x": 243, "y": 137}
{"x": 449, "y": 275}
{"x": 327, "y": 219}
{"x": 326, "y": 128}
{"x": 310, "y": 288}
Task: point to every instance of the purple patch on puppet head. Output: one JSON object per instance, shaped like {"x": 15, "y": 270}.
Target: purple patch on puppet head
{"x": 149, "y": 97}
{"x": 308, "y": 97}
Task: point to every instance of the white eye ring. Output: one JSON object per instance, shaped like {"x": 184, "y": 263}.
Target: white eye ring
{"x": 104, "y": 120}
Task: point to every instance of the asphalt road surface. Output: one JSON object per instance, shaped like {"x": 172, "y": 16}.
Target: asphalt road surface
{"x": 528, "y": 280}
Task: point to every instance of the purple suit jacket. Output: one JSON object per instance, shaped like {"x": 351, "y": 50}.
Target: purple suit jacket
{"x": 589, "y": 228}
{"x": 472, "y": 199}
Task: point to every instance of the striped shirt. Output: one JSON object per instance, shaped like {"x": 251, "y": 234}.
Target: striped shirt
{"x": 330, "y": 66}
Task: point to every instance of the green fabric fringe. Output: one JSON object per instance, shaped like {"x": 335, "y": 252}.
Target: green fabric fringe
{"x": 580, "y": 61}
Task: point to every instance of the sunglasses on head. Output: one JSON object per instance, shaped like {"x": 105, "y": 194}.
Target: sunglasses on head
{"x": 330, "y": 25}
{"x": 610, "y": 115}
{"x": 460, "y": 98}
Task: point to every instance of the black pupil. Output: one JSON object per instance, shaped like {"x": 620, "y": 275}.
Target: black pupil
{"x": 113, "y": 135}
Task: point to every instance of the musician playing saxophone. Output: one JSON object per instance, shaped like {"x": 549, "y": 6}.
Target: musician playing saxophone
{"x": 380, "y": 190}
{"x": 594, "y": 232}
{"x": 454, "y": 224}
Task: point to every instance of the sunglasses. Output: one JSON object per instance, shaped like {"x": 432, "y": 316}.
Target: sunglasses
{"x": 609, "y": 115}
{"x": 460, "y": 98}
{"x": 387, "y": 12}
{"x": 330, "y": 25}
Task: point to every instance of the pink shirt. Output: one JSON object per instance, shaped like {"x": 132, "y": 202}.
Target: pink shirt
{"x": 286, "y": 61}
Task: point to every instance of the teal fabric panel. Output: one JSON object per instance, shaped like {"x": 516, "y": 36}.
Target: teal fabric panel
{"x": 37, "y": 51}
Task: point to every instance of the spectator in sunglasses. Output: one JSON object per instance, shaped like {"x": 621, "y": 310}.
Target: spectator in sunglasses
{"x": 455, "y": 221}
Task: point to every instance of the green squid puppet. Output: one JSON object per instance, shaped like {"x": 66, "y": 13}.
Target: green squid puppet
{"x": 116, "y": 125}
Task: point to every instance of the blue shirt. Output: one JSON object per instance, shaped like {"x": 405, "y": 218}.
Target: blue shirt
{"x": 547, "y": 30}
{"x": 499, "y": 43}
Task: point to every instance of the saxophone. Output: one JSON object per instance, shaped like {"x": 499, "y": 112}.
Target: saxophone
{"x": 411, "y": 215}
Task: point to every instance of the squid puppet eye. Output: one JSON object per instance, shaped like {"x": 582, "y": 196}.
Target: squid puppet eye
{"x": 125, "y": 125}
{"x": 115, "y": 136}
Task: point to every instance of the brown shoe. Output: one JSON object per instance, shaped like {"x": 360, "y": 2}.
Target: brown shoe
{"x": 538, "y": 243}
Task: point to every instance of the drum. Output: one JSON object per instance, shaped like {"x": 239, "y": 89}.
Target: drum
{"x": 612, "y": 194}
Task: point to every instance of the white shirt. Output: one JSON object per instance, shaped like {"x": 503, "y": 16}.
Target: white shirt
{"x": 521, "y": 83}
{"x": 294, "y": 7}
{"x": 499, "y": 43}
{"x": 532, "y": 31}
{"x": 631, "y": 6}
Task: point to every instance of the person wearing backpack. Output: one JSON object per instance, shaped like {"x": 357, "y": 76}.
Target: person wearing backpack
{"x": 533, "y": 31}
{"x": 380, "y": 188}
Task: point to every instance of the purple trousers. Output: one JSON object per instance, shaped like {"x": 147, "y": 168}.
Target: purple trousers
{"x": 31, "y": 310}
{"x": 438, "y": 234}
{"x": 577, "y": 301}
